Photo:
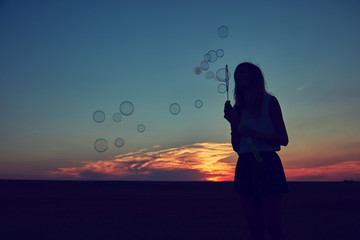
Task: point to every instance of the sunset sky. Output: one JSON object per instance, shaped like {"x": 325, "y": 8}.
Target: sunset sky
{"x": 63, "y": 60}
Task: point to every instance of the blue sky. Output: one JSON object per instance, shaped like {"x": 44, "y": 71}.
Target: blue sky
{"x": 63, "y": 60}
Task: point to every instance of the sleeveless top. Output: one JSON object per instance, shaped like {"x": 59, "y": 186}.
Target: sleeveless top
{"x": 262, "y": 125}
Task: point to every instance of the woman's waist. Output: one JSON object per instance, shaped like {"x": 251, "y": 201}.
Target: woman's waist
{"x": 262, "y": 153}
{"x": 259, "y": 146}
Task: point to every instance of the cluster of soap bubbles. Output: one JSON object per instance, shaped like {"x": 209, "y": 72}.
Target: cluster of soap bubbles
{"x": 126, "y": 109}
{"x": 101, "y": 145}
{"x": 175, "y": 107}
{"x": 211, "y": 57}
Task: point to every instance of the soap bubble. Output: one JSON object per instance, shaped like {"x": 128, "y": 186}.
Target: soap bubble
{"x": 126, "y": 108}
{"x": 119, "y": 142}
{"x": 209, "y": 75}
{"x": 204, "y": 65}
{"x": 197, "y": 70}
{"x": 174, "y": 108}
{"x": 141, "y": 128}
{"x": 221, "y": 88}
{"x": 99, "y": 116}
{"x": 210, "y": 56}
{"x": 220, "y": 75}
{"x": 117, "y": 117}
{"x": 198, "y": 103}
{"x": 223, "y": 31}
{"x": 101, "y": 145}
{"x": 220, "y": 53}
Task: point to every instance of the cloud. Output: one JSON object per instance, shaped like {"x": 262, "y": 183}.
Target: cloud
{"x": 195, "y": 162}
{"x": 203, "y": 162}
{"x": 335, "y": 172}
{"x": 301, "y": 88}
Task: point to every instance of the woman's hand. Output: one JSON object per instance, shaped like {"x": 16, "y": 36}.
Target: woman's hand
{"x": 228, "y": 111}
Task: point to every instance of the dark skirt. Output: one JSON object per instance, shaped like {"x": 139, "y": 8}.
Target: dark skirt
{"x": 258, "y": 179}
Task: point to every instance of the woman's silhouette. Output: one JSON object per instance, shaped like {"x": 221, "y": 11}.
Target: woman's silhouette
{"x": 256, "y": 114}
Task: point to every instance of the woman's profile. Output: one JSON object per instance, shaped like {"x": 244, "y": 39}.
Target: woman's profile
{"x": 256, "y": 115}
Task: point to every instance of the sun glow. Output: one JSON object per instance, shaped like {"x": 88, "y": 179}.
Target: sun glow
{"x": 200, "y": 161}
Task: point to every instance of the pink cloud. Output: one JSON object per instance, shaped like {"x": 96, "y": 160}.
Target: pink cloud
{"x": 335, "y": 172}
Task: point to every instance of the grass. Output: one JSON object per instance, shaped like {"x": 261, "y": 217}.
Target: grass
{"x": 167, "y": 210}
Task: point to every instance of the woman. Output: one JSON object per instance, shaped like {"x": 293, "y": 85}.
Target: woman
{"x": 257, "y": 115}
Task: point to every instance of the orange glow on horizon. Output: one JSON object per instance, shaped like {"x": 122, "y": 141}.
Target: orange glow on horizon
{"x": 201, "y": 161}
{"x": 197, "y": 162}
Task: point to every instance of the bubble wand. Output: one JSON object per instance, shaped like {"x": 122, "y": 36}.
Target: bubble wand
{"x": 248, "y": 140}
{"x": 227, "y": 82}
{"x": 253, "y": 149}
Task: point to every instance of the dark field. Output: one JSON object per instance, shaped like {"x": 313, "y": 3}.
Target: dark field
{"x": 167, "y": 210}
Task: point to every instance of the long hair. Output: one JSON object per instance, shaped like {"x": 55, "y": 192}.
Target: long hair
{"x": 250, "y": 96}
